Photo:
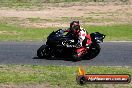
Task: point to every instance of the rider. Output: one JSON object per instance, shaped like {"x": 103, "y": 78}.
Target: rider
{"x": 76, "y": 32}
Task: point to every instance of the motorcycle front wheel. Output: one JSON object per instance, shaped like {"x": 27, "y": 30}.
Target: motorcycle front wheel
{"x": 42, "y": 52}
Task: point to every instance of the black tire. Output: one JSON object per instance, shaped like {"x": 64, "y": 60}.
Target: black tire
{"x": 42, "y": 52}
{"x": 93, "y": 51}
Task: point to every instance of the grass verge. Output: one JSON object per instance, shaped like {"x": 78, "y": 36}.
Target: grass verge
{"x": 40, "y": 3}
{"x": 59, "y": 76}
{"x": 16, "y": 33}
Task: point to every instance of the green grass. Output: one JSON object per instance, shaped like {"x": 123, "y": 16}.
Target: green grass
{"x": 18, "y": 21}
{"x": 23, "y": 34}
{"x": 114, "y": 32}
{"x": 62, "y": 76}
{"x": 30, "y": 3}
{"x": 40, "y": 3}
{"x": 16, "y": 33}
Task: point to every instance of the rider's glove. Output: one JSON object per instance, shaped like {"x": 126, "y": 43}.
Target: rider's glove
{"x": 61, "y": 31}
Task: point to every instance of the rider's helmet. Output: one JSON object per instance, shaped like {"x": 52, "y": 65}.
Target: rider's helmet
{"x": 74, "y": 26}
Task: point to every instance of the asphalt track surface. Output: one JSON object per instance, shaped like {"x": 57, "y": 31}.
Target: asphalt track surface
{"x": 112, "y": 54}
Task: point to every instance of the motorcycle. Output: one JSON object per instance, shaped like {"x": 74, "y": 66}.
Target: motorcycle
{"x": 60, "y": 45}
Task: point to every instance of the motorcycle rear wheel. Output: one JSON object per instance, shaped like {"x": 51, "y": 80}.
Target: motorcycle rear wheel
{"x": 93, "y": 51}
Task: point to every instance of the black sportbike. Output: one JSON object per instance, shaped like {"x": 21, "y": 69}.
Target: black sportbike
{"x": 60, "y": 45}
